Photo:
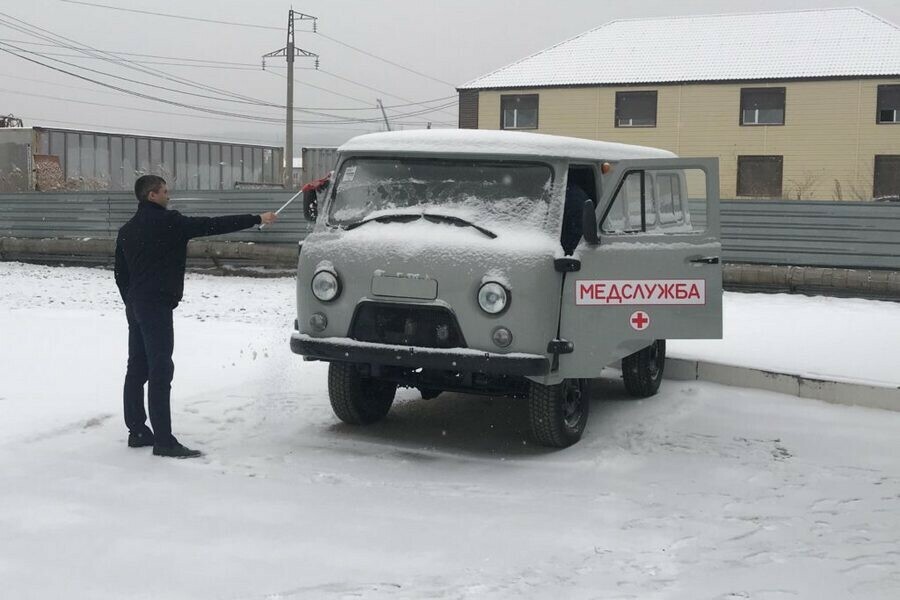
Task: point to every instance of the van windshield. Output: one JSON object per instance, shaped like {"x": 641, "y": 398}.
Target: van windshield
{"x": 491, "y": 194}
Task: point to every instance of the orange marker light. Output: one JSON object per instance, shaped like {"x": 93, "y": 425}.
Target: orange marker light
{"x": 605, "y": 168}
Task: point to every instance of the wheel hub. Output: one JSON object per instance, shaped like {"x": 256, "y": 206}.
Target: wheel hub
{"x": 573, "y": 403}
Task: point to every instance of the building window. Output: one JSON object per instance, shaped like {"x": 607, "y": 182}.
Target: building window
{"x": 887, "y": 176}
{"x": 468, "y": 109}
{"x": 889, "y": 103}
{"x": 635, "y": 109}
{"x": 760, "y": 176}
{"x": 762, "y": 106}
{"x": 519, "y": 112}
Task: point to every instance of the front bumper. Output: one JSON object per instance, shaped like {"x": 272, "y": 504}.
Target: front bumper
{"x": 455, "y": 359}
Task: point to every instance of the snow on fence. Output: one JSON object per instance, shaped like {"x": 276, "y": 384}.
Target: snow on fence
{"x": 857, "y": 235}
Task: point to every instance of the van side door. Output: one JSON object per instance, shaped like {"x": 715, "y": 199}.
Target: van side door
{"x": 656, "y": 272}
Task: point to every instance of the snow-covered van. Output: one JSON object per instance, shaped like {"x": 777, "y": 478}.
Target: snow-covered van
{"x": 506, "y": 263}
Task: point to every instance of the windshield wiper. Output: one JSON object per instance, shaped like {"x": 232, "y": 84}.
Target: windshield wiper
{"x": 389, "y": 218}
{"x": 408, "y": 217}
{"x": 459, "y": 221}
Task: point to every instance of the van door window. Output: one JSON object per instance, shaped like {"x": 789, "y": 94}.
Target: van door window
{"x": 658, "y": 202}
{"x": 668, "y": 189}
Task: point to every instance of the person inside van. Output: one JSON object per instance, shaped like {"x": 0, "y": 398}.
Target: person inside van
{"x": 572, "y": 216}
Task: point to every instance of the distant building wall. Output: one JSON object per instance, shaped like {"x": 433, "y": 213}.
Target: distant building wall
{"x": 828, "y": 142}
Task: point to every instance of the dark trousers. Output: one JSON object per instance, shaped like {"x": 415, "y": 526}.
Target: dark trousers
{"x": 151, "y": 339}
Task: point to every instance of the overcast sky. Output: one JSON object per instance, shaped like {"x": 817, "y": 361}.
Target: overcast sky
{"x": 449, "y": 41}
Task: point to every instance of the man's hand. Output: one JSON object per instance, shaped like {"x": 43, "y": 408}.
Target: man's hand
{"x": 268, "y": 218}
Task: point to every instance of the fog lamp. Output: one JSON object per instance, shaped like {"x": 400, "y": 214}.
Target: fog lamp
{"x": 318, "y": 322}
{"x": 502, "y": 337}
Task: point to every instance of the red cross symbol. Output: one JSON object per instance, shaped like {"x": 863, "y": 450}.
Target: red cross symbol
{"x": 639, "y": 320}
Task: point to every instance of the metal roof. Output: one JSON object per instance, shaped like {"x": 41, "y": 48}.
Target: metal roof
{"x": 843, "y": 42}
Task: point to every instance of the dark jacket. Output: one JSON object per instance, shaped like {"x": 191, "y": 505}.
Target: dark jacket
{"x": 151, "y": 250}
{"x": 573, "y": 212}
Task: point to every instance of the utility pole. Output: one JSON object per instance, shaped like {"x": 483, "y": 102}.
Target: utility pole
{"x": 384, "y": 114}
{"x": 289, "y": 52}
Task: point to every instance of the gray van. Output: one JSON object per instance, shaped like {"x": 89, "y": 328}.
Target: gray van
{"x": 506, "y": 264}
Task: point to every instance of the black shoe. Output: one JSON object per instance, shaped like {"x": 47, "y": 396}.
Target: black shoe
{"x": 140, "y": 439}
{"x": 176, "y": 450}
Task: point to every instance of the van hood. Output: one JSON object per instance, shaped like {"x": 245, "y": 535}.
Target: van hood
{"x": 435, "y": 244}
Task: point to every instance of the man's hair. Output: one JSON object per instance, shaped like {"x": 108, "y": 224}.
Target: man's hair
{"x": 146, "y": 184}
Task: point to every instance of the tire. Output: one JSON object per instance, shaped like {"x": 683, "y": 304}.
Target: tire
{"x": 355, "y": 399}
{"x": 558, "y": 413}
{"x": 643, "y": 370}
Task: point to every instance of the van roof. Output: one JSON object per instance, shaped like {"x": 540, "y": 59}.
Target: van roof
{"x": 480, "y": 141}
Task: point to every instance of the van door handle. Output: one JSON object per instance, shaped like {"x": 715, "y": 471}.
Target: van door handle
{"x": 705, "y": 260}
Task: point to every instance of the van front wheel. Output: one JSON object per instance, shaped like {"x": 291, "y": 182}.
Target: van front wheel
{"x": 355, "y": 399}
{"x": 643, "y": 370}
{"x": 558, "y": 413}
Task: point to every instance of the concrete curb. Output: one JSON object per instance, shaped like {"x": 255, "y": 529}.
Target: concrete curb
{"x": 835, "y": 392}
{"x": 866, "y": 283}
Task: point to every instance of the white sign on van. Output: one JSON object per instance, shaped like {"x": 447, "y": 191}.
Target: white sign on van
{"x": 605, "y": 292}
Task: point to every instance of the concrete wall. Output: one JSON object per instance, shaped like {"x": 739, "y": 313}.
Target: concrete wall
{"x": 830, "y": 132}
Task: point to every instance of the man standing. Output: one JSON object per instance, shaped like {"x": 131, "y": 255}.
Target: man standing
{"x": 151, "y": 250}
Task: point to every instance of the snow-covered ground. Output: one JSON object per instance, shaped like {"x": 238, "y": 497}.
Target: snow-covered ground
{"x": 839, "y": 339}
{"x": 701, "y": 492}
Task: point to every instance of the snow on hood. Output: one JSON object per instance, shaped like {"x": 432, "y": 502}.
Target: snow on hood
{"x": 426, "y": 243}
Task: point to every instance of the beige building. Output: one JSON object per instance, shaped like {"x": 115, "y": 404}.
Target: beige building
{"x": 796, "y": 105}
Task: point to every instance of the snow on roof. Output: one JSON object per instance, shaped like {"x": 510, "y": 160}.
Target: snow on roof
{"x": 777, "y": 45}
{"x": 480, "y": 141}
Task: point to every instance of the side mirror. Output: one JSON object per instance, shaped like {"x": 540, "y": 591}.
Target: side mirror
{"x": 589, "y": 223}
{"x": 310, "y": 205}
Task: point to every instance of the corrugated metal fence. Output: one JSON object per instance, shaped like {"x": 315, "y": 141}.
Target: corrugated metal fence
{"x": 862, "y": 235}
{"x": 818, "y": 234}
{"x": 99, "y": 215}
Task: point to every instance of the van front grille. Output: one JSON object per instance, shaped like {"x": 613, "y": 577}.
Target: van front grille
{"x": 406, "y": 325}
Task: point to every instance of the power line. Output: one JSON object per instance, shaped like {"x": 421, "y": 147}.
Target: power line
{"x": 330, "y": 38}
{"x": 133, "y": 93}
{"x": 384, "y": 60}
{"x": 29, "y": 29}
{"x": 171, "y": 16}
{"x": 259, "y": 118}
{"x": 235, "y": 97}
{"x": 121, "y": 78}
{"x": 163, "y": 112}
{"x": 374, "y": 89}
{"x": 163, "y": 63}
{"x": 164, "y": 57}
{"x": 364, "y": 101}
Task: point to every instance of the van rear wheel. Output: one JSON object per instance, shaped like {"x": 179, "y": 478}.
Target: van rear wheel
{"x": 355, "y": 399}
{"x": 558, "y": 413}
{"x": 643, "y": 370}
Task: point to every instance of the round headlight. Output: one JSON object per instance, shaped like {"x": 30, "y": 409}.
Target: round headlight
{"x": 493, "y": 298}
{"x": 325, "y": 286}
